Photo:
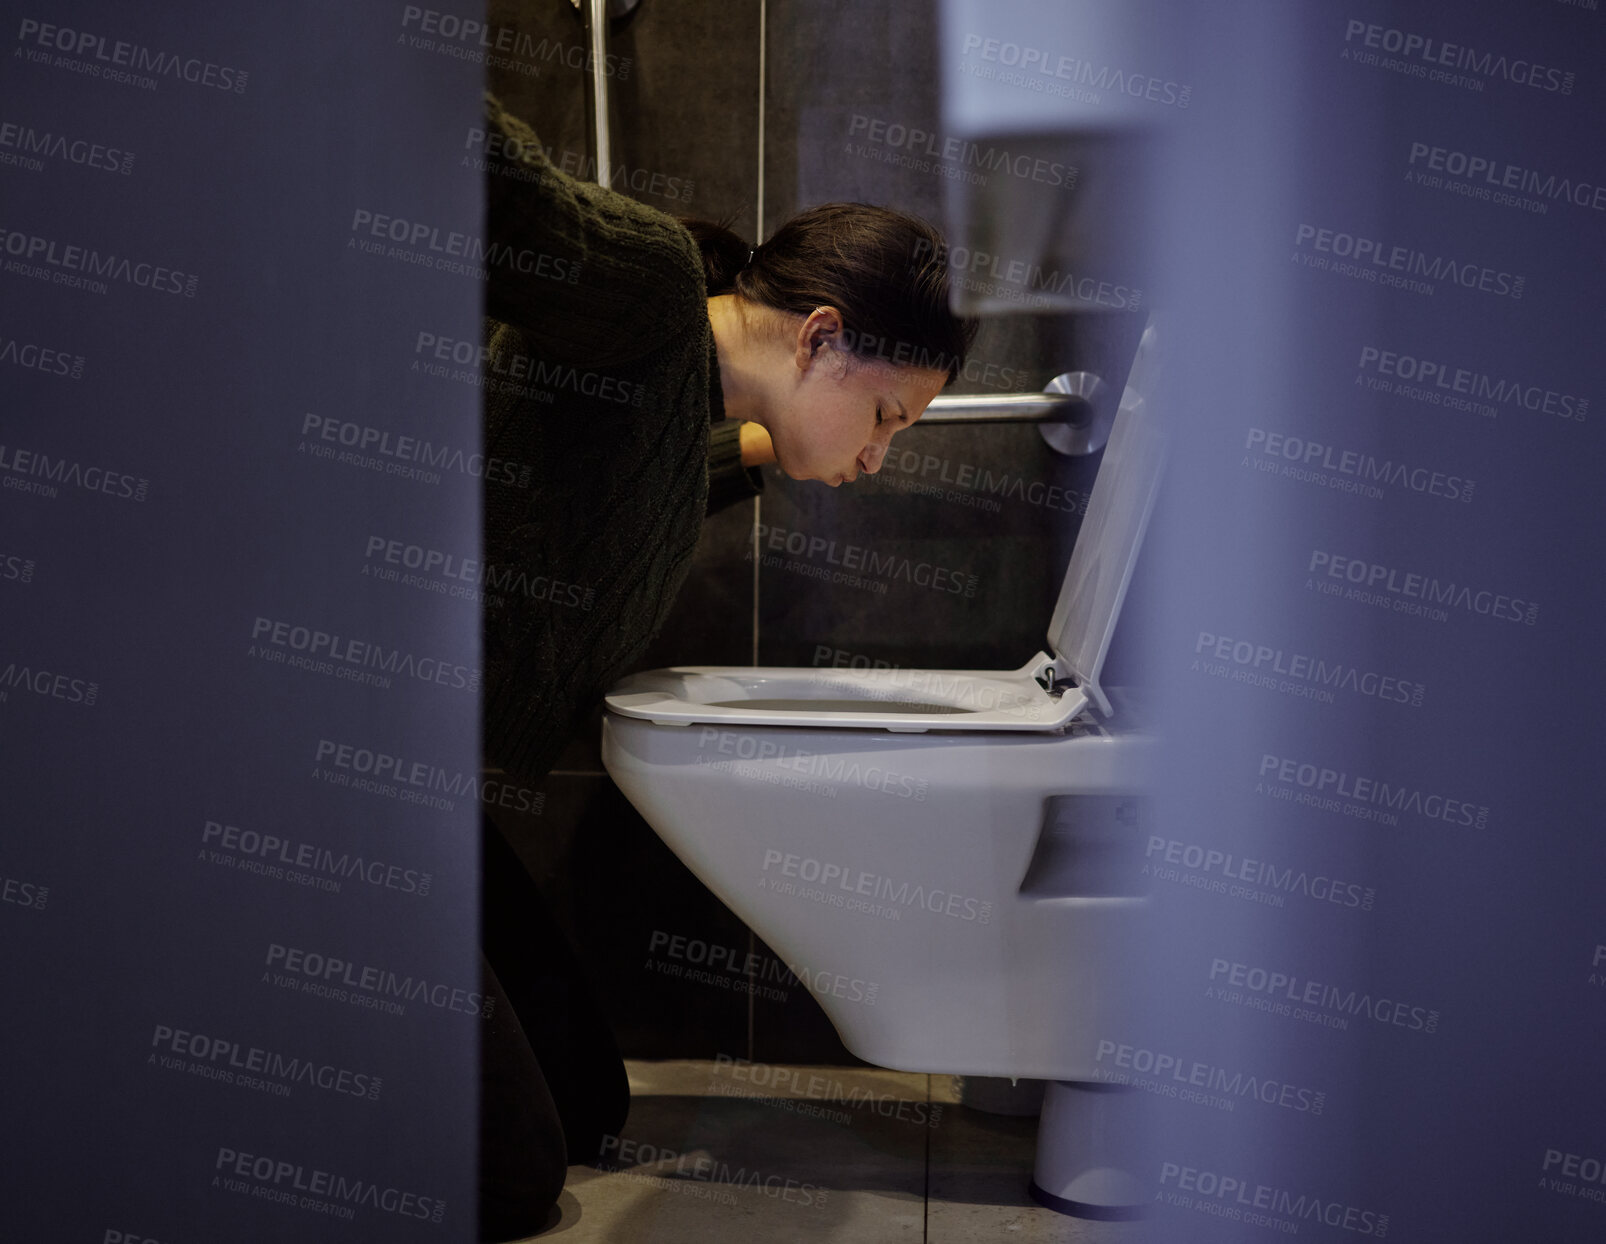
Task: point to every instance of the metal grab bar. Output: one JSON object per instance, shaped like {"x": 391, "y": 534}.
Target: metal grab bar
{"x": 1067, "y": 412}
{"x": 1007, "y": 408}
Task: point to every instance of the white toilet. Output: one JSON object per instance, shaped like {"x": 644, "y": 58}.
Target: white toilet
{"x": 949, "y": 859}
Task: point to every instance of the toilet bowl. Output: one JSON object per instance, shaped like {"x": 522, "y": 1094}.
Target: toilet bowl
{"x": 929, "y": 889}
{"x": 949, "y": 860}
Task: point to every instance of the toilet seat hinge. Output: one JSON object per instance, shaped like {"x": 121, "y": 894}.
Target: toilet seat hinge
{"x": 1048, "y": 679}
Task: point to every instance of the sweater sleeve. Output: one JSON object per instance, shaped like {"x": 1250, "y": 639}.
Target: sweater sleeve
{"x": 585, "y": 274}
{"x": 728, "y": 480}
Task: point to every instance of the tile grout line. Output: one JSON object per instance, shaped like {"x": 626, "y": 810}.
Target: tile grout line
{"x": 758, "y": 238}
{"x": 752, "y": 994}
{"x": 763, "y": 35}
{"x": 925, "y": 1201}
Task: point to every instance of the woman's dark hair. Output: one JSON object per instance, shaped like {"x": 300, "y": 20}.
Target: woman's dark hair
{"x": 885, "y": 271}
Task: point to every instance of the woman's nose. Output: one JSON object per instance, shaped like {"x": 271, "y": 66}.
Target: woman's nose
{"x": 870, "y": 458}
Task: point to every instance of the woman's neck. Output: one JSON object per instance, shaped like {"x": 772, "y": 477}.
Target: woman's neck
{"x": 749, "y": 358}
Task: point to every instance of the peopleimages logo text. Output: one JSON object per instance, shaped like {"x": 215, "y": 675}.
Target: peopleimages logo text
{"x": 1449, "y": 379}
{"x": 274, "y": 851}
{"x": 350, "y": 654}
{"x": 119, "y": 54}
{"x": 1375, "y": 577}
{"x": 1287, "y": 879}
{"x": 46, "y": 471}
{"x": 851, "y": 880}
{"x": 1404, "y": 264}
{"x": 472, "y": 35}
{"x": 1362, "y": 467}
{"x": 28, "y": 142}
{"x": 415, "y": 777}
{"x": 1049, "y": 65}
{"x": 861, "y": 559}
{"x": 1243, "y": 1198}
{"x": 365, "y": 438}
{"x": 460, "y": 252}
{"x": 230, "y": 1061}
{"x": 1174, "y": 1076}
{"x": 1322, "y": 782}
{"x": 1457, "y": 56}
{"x": 542, "y": 374}
{"x": 279, "y": 1180}
{"x": 1284, "y": 988}
{"x": 1494, "y": 176}
{"x": 963, "y": 152}
{"x": 333, "y": 970}
{"x": 969, "y": 268}
{"x": 32, "y": 357}
{"x": 85, "y": 263}
{"x": 1261, "y": 664}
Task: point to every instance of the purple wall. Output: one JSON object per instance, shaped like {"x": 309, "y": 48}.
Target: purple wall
{"x": 240, "y": 743}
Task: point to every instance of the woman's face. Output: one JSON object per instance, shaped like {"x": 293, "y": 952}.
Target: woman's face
{"x": 842, "y": 412}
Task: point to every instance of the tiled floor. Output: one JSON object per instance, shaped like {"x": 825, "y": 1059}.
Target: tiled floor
{"x": 718, "y": 1151}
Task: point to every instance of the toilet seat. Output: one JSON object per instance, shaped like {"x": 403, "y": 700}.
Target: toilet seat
{"x": 908, "y": 701}
{"x": 1046, "y": 694}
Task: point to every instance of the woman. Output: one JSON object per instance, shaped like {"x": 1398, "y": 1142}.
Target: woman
{"x": 639, "y": 369}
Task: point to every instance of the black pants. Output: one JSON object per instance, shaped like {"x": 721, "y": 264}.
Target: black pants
{"x": 552, "y": 1083}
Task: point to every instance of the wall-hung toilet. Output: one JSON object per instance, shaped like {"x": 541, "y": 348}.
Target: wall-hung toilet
{"x": 948, "y": 859}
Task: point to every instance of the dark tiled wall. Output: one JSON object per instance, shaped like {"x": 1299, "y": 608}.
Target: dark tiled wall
{"x": 994, "y": 506}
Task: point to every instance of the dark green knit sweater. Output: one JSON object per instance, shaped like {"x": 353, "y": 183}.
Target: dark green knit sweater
{"x": 602, "y": 383}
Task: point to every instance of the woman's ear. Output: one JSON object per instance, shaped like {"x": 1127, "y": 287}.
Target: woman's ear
{"x": 821, "y": 330}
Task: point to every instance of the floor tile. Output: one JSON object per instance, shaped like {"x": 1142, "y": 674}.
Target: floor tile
{"x": 730, "y": 1150}
{"x": 805, "y": 1154}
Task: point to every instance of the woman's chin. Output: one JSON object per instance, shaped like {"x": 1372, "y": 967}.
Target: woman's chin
{"x": 812, "y": 474}
{"x": 804, "y": 475}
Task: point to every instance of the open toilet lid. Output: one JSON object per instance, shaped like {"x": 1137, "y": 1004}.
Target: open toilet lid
{"x": 1046, "y": 694}
{"x": 1107, "y": 546}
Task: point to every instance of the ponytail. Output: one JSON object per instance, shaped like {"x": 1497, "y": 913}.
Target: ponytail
{"x": 724, "y": 254}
